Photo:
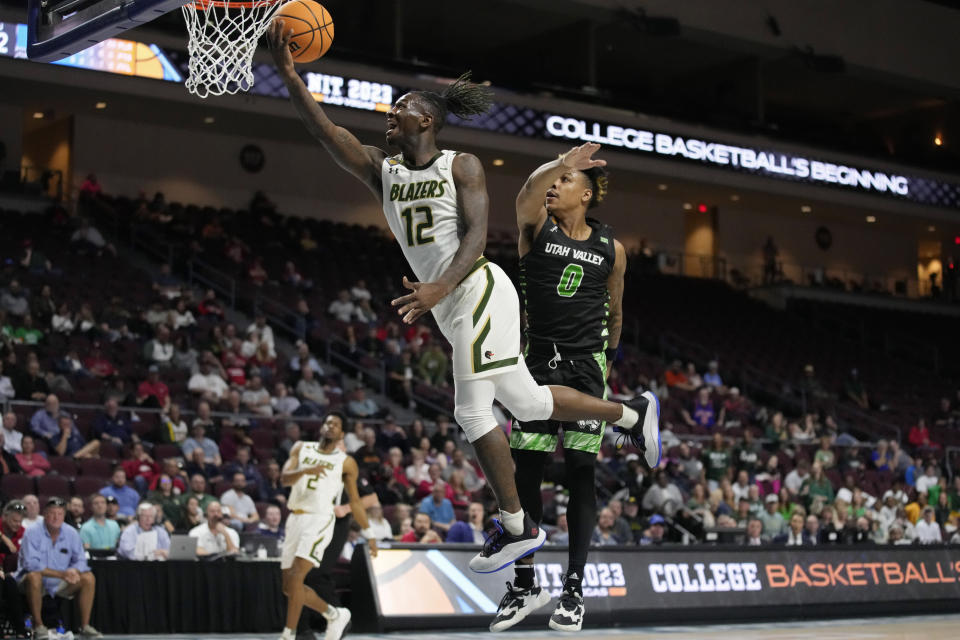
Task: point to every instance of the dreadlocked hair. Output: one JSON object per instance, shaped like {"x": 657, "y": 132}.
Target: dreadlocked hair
{"x": 597, "y": 176}
{"x": 462, "y": 98}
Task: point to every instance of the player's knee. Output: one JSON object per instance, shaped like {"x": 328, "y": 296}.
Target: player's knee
{"x": 475, "y": 421}
{"x": 529, "y": 405}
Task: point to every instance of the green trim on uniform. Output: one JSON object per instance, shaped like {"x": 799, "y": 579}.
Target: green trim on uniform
{"x": 313, "y": 549}
{"x": 476, "y": 265}
{"x": 532, "y": 441}
{"x": 479, "y": 365}
{"x": 484, "y": 299}
{"x": 589, "y": 442}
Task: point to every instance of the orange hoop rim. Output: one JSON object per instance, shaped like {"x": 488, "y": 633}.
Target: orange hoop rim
{"x": 231, "y": 4}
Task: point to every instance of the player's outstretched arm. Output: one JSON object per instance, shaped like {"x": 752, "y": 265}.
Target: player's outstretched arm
{"x": 531, "y": 208}
{"x": 472, "y": 203}
{"x": 350, "y": 474}
{"x": 360, "y": 160}
{"x": 615, "y": 287}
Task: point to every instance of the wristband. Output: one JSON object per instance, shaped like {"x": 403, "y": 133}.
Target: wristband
{"x": 611, "y": 354}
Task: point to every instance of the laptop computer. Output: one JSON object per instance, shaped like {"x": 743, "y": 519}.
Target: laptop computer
{"x": 183, "y": 547}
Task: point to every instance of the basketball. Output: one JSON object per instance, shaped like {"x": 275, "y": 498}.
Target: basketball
{"x": 312, "y": 29}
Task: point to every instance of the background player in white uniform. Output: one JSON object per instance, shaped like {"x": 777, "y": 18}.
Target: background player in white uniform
{"x": 436, "y": 204}
{"x": 317, "y": 472}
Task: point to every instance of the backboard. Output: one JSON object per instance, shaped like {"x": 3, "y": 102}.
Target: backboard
{"x": 60, "y": 28}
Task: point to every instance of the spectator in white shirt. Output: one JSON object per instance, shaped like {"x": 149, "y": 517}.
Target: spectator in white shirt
{"x": 7, "y": 391}
{"x": 145, "y": 539}
{"x": 927, "y": 480}
{"x": 741, "y": 488}
{"x": 359, "y": 292}
{"x": 32, "y": 516}
{"x": 282, "y": 402}
{"x": 208, "y": 383}
{"x": 12, "y": 438}
{"x": 418, "y": 471}
{"x": 378, "y": 525}
{"x": 248, "y": 348}
{"x": 663, "y": 496}
{"x": 795, "y": 479}
{"x": 354, "y": 439}
{"x": 342, "y": 308}
{"x": 266, "y": 333}
{"x": 256, "y": 398}
{"x": 927, "y": 529}
{"x": 214, "y": 536}
{"x": 304, "y": 357}
{"x": 160, "y": 349}
{"x": 243, "y": 511}
{"x": 181, "y": 317}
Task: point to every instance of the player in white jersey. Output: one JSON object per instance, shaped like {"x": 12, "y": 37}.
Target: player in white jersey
{"x": 317, "y": 473}
{"x": 436, "y": 204}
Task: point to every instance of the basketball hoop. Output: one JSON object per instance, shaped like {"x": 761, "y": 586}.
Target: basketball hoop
{"x": 223, "y": 37}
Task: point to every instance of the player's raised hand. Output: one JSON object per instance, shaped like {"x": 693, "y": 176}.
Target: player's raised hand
{"x": 581, "y": 157}
{"x": 424, "y": 297}
{"x": 278, "y": 37}
{"x": 318, "y": 470}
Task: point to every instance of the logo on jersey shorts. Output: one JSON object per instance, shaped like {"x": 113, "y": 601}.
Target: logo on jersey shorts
{"x": 488, "y": 355}
{"x": 592, "y": 425}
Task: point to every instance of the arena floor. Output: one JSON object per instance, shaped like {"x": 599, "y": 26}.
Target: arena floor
{"x": 900, "y": 628}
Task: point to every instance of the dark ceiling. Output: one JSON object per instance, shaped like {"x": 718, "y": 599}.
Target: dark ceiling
{"x": 659, "y": 67}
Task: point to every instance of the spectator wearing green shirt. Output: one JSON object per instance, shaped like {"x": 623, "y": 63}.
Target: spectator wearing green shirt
{"x": 824, "y": 454}
{"x": 26, "y": 333}
{"x": 168, "y": 501}
{"x": 717, "y": 461}
{"x": 433, "y": 365}
{"x": 818, "y": 485}
{"x": 99, "y": 532}
{"x": 198, "y": 489}
{"x": 773, "y": 521}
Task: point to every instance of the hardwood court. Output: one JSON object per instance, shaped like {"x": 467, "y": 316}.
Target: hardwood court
{"x": 904, "y": 628}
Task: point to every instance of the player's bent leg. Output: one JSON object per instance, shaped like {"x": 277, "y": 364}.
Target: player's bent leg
{"x": 518, "y": 535}
{"x": 524, "y": 596}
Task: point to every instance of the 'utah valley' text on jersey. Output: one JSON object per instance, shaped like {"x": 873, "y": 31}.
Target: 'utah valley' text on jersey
{"x": 564, "y": 283}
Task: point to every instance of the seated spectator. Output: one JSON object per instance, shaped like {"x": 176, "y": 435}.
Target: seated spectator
{"x": 144, "y": 540}
{"x": 291, "y": 432}
{"x": 70, "y": 442}
{"x": 741, "y": 488}
{"x": 796, "y": 535}
{"x": 113, "y": 426}
{"x": 561, "y": 535}
{"x": 14, "y": 301}
{"x": 342, "y": 308}
{"x": 185, "y": 357}
{"x": 63, "y": 320}
{"x": 199, "y": 440}
{"x": 434, "y": 476}
{"x": 855, "y": 390}
{"x": 97, "y": 364}
{"x": 927, "y": 529}
{"x": 197, "y": 465}
{"x": 361, "y": 406}
{"x": 272, "y": 489}
{"x": 703, "y": 413}
{"x": 603, "y": 534}
{"x": 214, "y": 536}
{"x": 7, "y": 390}
{"x": 191, "y": 514}
{"x": 264, "y": 362}
{"x": 304, "y": 357}
{"x": 181, "y": 317}
{"x": 438, "y": 506}
{"x": 141, "y": 468}
{"x": 433, "y": 365}
{"x": 31, "y": 515}
{"x": 795, "y": 479}
{"x": 236, "y": 417}
{"x": 255, "y": 398}
{"x": 378, "y": 525}
{"x": 31, "y": 462}
{"x": 159, "y": 351}
{"x": 755, "y": 533}
{"x": 824, "y": 454}
{"x": 663, "y": 496}
{"x": 173, "y": 428}
{"x": 773, "y": 521}
{"x": 311, "y": 393}
{"x": 52, "y": 549}
{"x": 712, "y": 377}
{"x": 736, "y": 409}
{"x": 207, "y": 383}
{"x": 126, "y": 498}
{"x": 243, "y": 463}
{"x": 283, "y": 403}
{"x": 153, "y": 393}
{"x": 11, "y": 534}
{"x": 919, "y": 437}
{"x": 471, "y": 480}
{"x": 32, "y": 385}
{"x": 167, "y": 496}
{"x": 675, "y": 377}
{"x": 812, "y": 528}
{"x": 655, "y": 532}
{"x": 88, "y": 240}
{"x": 12, "y": 438}
{"x": 165, "y": 283}
{"x": 804, "y": 432}
{"x": 717, "y": 461}
{"x": 928, "y": 481}
{"x": 882, "y": 457}
{"x": 422, "y": 531}
{"x": 391, "y": 435}
{"x": 443, "y": 433}
{"x": 256, "y": 273}
{"x": 26, "y": 332}
{"x": 471, "y": 531}
{"x": 44, "y": 423}
{"x": 271, "y": 523}
{"x": 113, "y": 512}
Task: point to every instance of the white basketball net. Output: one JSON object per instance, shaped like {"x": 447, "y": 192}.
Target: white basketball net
{"x": 222, "y": 40}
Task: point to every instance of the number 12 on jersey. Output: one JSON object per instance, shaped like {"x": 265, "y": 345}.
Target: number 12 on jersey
{"x": 415, "y": 236}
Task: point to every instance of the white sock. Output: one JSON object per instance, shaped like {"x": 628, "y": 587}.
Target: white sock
{"x": 629, "y": 418}
{"x": 288, "y": 634}
{"x": 331, "y": 613}
{"x": 512, "y": 522}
